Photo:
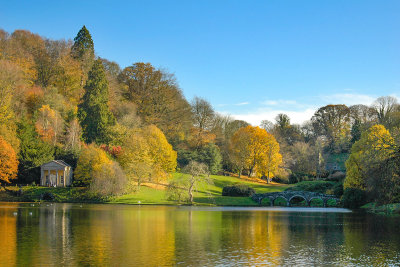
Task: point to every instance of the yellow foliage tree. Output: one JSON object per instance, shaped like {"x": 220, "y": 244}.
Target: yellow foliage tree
{"x": 135, "y": 158}
{"x": 91, "y": 160}
{"x": 256, "y": 150}
{"x": 147, "y": 155}
{"x": 374, "y": 146}
{"x": 161, "y": 152}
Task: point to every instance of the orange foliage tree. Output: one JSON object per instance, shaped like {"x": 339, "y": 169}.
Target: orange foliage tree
{"x": 8, "y": 162}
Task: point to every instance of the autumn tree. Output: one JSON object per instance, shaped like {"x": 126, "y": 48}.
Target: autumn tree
{"x": 91, "y": 160}
{"x": 161, "y": 152}
{"x": 109, "y": 180}
{"x": 333, "y": 121}
{"x": 8, "y": 162}
{"x": 135, "y": 158}
{"x": 147, "y": 155}
{"x": 256, "y": 150}
{"x": 158, "y": 98}
{"x": 94, "y": 113}
{"x": 374, "y": 146}
{"x": 49, "y": 124}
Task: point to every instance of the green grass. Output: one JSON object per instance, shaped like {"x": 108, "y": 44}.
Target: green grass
{"x": 314, "y": 186}
{"x": 61, "y": 194}
{"x": 206, "y": 195}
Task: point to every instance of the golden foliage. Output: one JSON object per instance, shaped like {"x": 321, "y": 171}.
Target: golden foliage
{"x": 8, "y": 162}
{"x": 147, "y": 155}
{"x": 375, "y": 145}
{"x": 257, "y": 150}
{"x": 91, "y": 160}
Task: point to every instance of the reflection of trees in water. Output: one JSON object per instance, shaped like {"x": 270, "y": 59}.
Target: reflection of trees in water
{"x": 207, "y": 238}
{"x": 8, "y": 235}
{"x": 119, "y": 235}
{"x": 43, "y": 235}
{"x": 372, "y": 239}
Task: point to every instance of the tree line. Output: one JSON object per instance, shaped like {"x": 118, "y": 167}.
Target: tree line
{"x": 118, "y": 127}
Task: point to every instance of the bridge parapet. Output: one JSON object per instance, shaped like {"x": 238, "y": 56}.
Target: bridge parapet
{"x": 289, "y": 195}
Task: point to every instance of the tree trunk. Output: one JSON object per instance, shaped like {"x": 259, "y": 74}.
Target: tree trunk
{"x": 191, "y": 193}
{"x": 268, "y": 181}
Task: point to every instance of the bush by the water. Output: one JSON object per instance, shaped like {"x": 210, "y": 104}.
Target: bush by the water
{"x": 47, "y": 196}
{"x": 238, "y": 190}
{"x": 354, "y": 198}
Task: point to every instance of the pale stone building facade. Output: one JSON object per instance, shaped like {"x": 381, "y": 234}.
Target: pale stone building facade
{"x": 56, "y": 173}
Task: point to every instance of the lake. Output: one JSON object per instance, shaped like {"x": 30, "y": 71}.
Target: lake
{"x": 124, "y": 235}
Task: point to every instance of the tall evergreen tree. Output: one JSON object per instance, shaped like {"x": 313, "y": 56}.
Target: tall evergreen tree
{"x": 83, "y": 51}
{"x": 94, "y": 113}
{"x": 83, "y": 44}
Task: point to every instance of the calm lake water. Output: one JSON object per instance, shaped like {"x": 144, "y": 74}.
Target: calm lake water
{"x": 122, "y": 235}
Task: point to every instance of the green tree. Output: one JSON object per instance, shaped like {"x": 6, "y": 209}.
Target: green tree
{"x": 94, "y": 114}
{"x": 33, "y": 153}
{"x": 83, "y": 44}
{"x": 83, "y": 51}
{"x": 211, "y": 156}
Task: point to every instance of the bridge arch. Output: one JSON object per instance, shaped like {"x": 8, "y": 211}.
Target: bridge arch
{"x": 299, "y": 196}
{"x": 280, "y": 197}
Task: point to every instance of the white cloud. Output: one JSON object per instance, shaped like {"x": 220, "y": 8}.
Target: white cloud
{"x": 242, "y": 104}
{"x": 300, "y": 112}
{"x": 255, "y": 118}
{"x": 348, "y": 99}
{"x": 280, "y": 102}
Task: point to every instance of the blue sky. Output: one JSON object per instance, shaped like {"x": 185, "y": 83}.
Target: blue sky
{"x": 251, "y": 59}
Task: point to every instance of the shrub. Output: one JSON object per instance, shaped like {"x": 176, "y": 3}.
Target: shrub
{"x": 110, "y": 180}
{"x": 336, "y": 176}
{"x": 354, "y": 198}
{"x": 47, "y": 196}
{"x": 338, "y": 190}
{"x": 238, "y": 190}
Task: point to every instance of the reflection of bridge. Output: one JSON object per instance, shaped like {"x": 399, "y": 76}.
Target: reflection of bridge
{"x": 290, "y": 195}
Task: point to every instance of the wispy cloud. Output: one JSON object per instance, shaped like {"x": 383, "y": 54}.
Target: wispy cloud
{"x": 348, "y": 99}
{"x": 279, "y": 102}
{"x": 255, "y": 118}
{"x": 242, "y": 104}
{"x": 297, "y": 111}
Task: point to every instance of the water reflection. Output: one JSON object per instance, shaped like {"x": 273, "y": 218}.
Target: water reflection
{"x": 118, "y": 235}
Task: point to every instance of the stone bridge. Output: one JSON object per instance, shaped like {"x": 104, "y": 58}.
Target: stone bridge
{"x": 289, "y": 195}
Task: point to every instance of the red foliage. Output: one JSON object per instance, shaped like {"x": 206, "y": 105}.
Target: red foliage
{"x": 114, "y": 151}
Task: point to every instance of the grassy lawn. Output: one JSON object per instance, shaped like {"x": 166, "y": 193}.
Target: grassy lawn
{"x": 150, "y": 194}
{"x": 205, "y": 196}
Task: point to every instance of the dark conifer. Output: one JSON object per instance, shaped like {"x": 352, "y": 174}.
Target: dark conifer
{"x": 94, "y": 113}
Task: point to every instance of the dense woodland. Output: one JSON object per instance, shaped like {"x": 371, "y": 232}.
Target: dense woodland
{"x": 122, "y": 127}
